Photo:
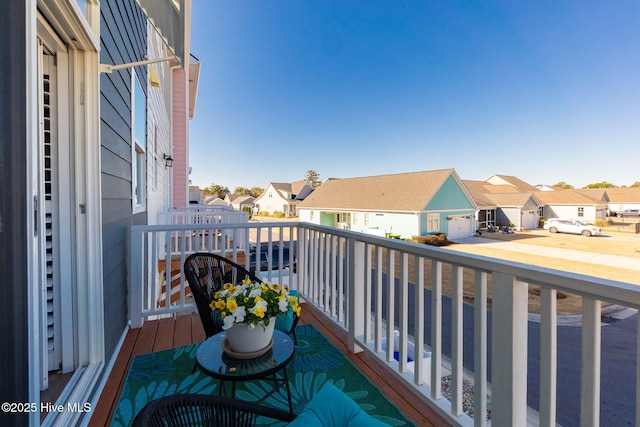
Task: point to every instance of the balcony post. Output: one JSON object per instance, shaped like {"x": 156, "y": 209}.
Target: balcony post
{"x": 355, "y": 293}
{"x": 135, "y": 279}
{"x": 509, "y": 351}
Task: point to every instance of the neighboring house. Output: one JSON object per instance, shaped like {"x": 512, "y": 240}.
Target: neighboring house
{"x": 544, "y": 187}
{"x": 512, "y": 181}
{"x": 82, "y": 158}
{"x": 406, "y": 204}
{"x": 556, "y": 202}
{"x": 215, "y": 201}
{"x": 504, "y": 204}
{"x": 599, "y": 194}
{"x": 623, "y": 198}
{"x": 283, "y": 197}
{"x": 519, "y": 210}
{"x": 573, "y": 204}
{"x": 185, "y": 87}
{"x": 195, "y": 196}
{"x": 240, "y": 201}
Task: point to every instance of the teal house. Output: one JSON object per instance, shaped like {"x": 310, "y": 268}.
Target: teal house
{"x": 405, "y": 204}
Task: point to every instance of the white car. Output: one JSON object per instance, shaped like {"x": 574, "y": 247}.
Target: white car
{"x": 560, "y": 225}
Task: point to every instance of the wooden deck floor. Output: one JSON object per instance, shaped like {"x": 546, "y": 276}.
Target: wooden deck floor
{"x": 186, "y": 329}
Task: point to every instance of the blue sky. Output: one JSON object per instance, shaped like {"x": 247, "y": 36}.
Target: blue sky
{"x": 547, "y": 91}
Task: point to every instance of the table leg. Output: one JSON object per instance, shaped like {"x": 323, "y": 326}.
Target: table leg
{"x": 286, "y": 383}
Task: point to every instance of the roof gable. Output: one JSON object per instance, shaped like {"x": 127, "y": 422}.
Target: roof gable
{"x": 512, "y": 181}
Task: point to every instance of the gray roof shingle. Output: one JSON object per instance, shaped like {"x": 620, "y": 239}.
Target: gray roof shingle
{"x": 403, "y": 192}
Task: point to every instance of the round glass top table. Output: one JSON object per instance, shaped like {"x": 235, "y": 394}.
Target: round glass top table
{"x": 215, "y": 362}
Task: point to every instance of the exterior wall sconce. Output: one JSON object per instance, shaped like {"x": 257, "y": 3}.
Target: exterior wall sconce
{"x": 168, "y": 161}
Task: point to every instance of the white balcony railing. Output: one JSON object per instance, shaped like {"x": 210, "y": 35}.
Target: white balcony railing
{"x": 348, "y": 275}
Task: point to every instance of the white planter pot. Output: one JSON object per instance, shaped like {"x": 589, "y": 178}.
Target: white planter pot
{"x": 243, "y": 339}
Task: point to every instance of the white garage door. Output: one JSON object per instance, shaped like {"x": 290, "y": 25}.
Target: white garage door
{"x": 459, "y": 226}
{"x": 529, "y": 220}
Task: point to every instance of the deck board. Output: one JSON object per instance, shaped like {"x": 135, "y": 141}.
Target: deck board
{"x": 187, "y": 329}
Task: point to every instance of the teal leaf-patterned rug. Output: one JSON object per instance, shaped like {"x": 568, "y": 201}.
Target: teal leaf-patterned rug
{"x": 316, "y": 361}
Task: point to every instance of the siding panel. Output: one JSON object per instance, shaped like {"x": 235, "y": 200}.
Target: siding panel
{"x": 123, "y": 39}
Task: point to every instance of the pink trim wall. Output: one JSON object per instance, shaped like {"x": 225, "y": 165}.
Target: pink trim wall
{"x": 180, "y": 139}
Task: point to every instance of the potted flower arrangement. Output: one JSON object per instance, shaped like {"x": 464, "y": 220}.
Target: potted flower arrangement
{"x": 247, "y": 305}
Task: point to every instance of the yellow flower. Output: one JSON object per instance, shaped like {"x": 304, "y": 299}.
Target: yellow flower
{"x": 217, "y": 295}
{"x": 232, "y": 304}
{"x": 264, "y": 287}
{"x": 295, "y": 306}
{"x": 246, "y": 281}
{"x": 227, "y": 286}
{"x": 259, "y": 311}
{"x": 246, "y": 300}
{"x": 221, "y": 304}
{"x": 276, "y": 287}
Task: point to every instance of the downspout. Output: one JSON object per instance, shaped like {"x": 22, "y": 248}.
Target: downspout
{"x": 170, "y": 172}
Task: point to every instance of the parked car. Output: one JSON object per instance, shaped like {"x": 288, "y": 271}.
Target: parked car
{"x": 265, "y": 255}
{"x": 561, "y": 225}
{"x": 628, "y": 212}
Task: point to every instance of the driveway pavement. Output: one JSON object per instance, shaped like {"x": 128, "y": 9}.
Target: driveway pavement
{"x": 547, "y": 251}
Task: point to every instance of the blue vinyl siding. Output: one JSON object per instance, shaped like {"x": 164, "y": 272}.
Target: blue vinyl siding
{"x": 449, "y": 200}
{"x": 449, "y": 197}
{"x": 123, "y": 39}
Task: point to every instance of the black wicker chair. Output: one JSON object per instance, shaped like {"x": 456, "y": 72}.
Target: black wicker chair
{"x": 206, "y": 274}
{"x": 183, "y": 410}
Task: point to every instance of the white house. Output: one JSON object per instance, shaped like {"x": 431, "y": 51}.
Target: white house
{"x": 240, "y": 201}
{"x": 570, "y": 203}
{"x": 283, "y": 197}
{"x": 623, "y": 198}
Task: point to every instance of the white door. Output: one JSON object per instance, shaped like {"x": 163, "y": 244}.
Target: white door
{"x": 55, "y": 219}
{"x": 459, "y": 227}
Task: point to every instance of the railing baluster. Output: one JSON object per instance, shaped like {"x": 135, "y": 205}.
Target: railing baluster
{"x": 328, "y": 238}
{"x": 457, "y": 373}
{"x": 403, "y": 325}
{"x": 368, "y": 327}
{"x": 341, "y": 274}
{"x": 333, "y": 282}
{"x": 436, "y": 330}
{"x": 391, "y": 294}
{"x": 418, "y": 309}
{"x": 548, "y": 357}
{"x": 322, "y": 291}
{"x": 313, "y": 261}
{"x": 480, "y": 349}
{"x": 590, "y": 375}
{"x": 378, "y": 337}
